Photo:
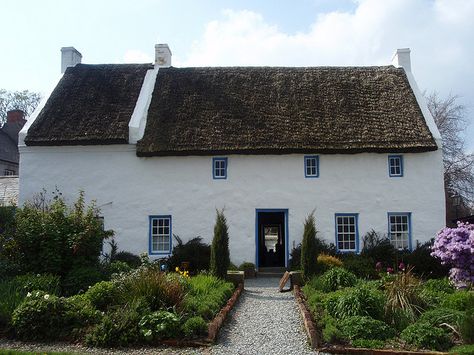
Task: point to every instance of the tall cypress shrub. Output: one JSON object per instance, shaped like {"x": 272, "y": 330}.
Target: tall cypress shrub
{"x": 220, "y": 259}
{"x": 308, "y": 248}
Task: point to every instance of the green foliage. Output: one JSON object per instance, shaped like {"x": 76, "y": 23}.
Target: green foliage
{"x": 220, "y": 259}
{"x": 117, "y": 267}
{"x": 368, "y": 344}
{"x": 119, "y": 327}
{"x": 436, "y": 317}
{"x": 194, "y": 251}
{"x": 159, "y": 325}
{"x": 424, "y": 335}
{"x": 358, "y": 301}
{"x": 206, "y": 296}
{"x": 43, "y": 282}
{"x": 425, "y": 265}
{"x": 462, "y": 350}
{"x": 363, "y": 327}
{"x": 51, "y": 237}
{"x": 359, "y": 265}
{"x": 308, "y": 248}
{"x": 160, "y": 290}
{"x": 467, "y": 326}
{"x": 247, "y": 265}
{"x": 315, "y": 298}
{"x": 337, "y": 278}
{"x": 102, "y": 295}
{"x": 47, "y": 317}
{"x": 331, "y": 332}
{"x": 459, "y": 300}
{"x": 80, "y": 278}
{"x": 402, "y": 291}
{"x": 131, "y": 259}
{"x": 194, "y": 327}
{"x": 439, "y": 285}
{"x": 378, "y": 248}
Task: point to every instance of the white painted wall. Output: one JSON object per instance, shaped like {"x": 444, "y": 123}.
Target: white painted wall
{"x": 131, "y": 188}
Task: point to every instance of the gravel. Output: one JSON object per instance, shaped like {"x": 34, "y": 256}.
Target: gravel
{"x": 264, "y": 321}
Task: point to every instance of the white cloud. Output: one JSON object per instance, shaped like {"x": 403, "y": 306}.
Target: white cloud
{"x": 136, "y": 56}
{"x": 438, "y": 32}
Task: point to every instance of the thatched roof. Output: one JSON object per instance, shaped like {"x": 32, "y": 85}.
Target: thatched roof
{"x": 271, "y": 110}
{"x": 92, "y": 104}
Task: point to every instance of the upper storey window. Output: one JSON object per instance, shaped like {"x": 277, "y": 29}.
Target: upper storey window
{"x": 395, "y": 165}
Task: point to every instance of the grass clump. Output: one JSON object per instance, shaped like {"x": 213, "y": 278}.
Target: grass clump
{"x": 337, "y": 278}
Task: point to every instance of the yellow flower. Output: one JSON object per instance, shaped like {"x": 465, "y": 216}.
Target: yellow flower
{"x": 176, "y": 269}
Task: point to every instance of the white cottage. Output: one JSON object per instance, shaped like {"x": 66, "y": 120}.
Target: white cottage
{"x": 161, "y": 148}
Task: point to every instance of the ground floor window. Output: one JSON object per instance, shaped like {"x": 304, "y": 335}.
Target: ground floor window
{"x": 399, "y": 230}
{"x": 160, "y": 234}
{"x": 347, "y": 234}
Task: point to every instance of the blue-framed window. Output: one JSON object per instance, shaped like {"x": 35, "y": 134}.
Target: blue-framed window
{"x": 160, "y": 235}
{"x": 347, "y": 232}
{"x": 219, "y": 168}
{"x": 311, "y": 166}
{"x": 399, "y": 229}
{"x": 395, "y": 165}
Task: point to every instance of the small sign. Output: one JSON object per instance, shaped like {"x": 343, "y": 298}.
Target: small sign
{"x": 284, "y": 280}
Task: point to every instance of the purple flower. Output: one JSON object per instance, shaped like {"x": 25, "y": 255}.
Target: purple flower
{"x": 401, "y": 266}
{"x": 389, "y": 270}
{"x": 378, "y": 266}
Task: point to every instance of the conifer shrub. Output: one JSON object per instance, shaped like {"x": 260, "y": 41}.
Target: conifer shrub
{"x": 308, "y": 248}
{"x": 220, "y": 259}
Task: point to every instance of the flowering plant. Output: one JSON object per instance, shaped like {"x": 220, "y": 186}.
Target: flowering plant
{"x": 455, "y": 247}
{"x": 183, "y": 273}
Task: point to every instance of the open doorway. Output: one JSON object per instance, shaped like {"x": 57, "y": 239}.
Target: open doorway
{"x": 271, "y": 238}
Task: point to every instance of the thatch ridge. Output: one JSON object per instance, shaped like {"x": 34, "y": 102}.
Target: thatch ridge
{"x": 281, "y": 110}
{"x": 92, "y": 104}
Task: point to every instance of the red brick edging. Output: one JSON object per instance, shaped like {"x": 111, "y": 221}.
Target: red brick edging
{"x": 316, "y": 342}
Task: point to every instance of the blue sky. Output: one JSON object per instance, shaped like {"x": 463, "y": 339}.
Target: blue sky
{"x": 211, "y": 33}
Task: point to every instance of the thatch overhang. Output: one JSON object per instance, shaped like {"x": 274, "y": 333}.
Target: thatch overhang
{"x": 277, "y": 110}
{"x": 92, "y": 104}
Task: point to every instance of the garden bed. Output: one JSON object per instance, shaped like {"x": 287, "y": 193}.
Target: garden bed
{"x": 341, "y": 316}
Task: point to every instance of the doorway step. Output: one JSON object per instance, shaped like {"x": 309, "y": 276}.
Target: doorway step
{"x": 271, "y": 271}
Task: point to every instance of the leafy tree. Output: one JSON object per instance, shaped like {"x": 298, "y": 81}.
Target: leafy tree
{"x": 450, "y": 117}
{"x": 220, "y": 259}
{"x": 17, "y": 100}
{"x": 308, "y": 248}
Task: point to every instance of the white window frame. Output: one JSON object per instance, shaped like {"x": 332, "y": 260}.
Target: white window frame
{"x": 395, "y": 162}
{"x": 160, "y": 235}
{"x": 219, "y": 168}
{"x": 345, "y": 234}
{"x": 399, "y": 230}
{"x": 311, "y": 166}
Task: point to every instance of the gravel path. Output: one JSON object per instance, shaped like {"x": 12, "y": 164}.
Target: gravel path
{"x": 264, "y": 321}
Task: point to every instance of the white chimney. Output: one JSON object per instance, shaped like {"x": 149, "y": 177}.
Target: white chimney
{"x": 401, "y": 58}
{"x": 70, "y": 56}
{"x": 162, "y": 56}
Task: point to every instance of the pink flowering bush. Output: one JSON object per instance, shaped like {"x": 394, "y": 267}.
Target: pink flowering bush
{"x": 455, "y": 247}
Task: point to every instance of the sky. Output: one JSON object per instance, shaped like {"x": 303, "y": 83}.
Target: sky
{"x": 440, "y": 34}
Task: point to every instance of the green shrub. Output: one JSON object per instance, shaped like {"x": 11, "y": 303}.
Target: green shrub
{"x": 467, "y": 326}
{"x": 47, "y": 317}
{"x": 378, "y": 248}
{"x": 462, "y": 350}
{"x": 438, "y": 316}
{"x": 424, "y": 335}
{"x": 102, "y": 295}
{"x": 159, "y": 325}
{"x": 362, "y": 327}
{"x": 80, "y": 278}
{"x": 207, "y": 294}
{"x": 358, "y": 301}
{"x": 459, "y": 300}
{"x": 316, "y": 283}
{"x": 308, "y": 248}
{"x": 119, "y": 327}
{"x": 194, "y": 251}
{"x": 160, "y": 290}
{"x": 359, "y": 265}
{"x": 439, "y": 285}
{"x": 368, "y": 344}
{"x": 246, "y": 265}
{"x": 331, "y": 332}
{"x": 50, "y": 237}
{"x": 424, "y": 264}
{"x": 337, "y": 278}
{"x": 42, "y": 282}
{"x": 131, "y": 259}
{"x": 117, "y": 267}
{"x": 220, "y": 260}
{"x": 233, "y": 267}
{"x": 430, "y": 298}
{"x": 194, "y": 327}
{"x": 314, "y": 298}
